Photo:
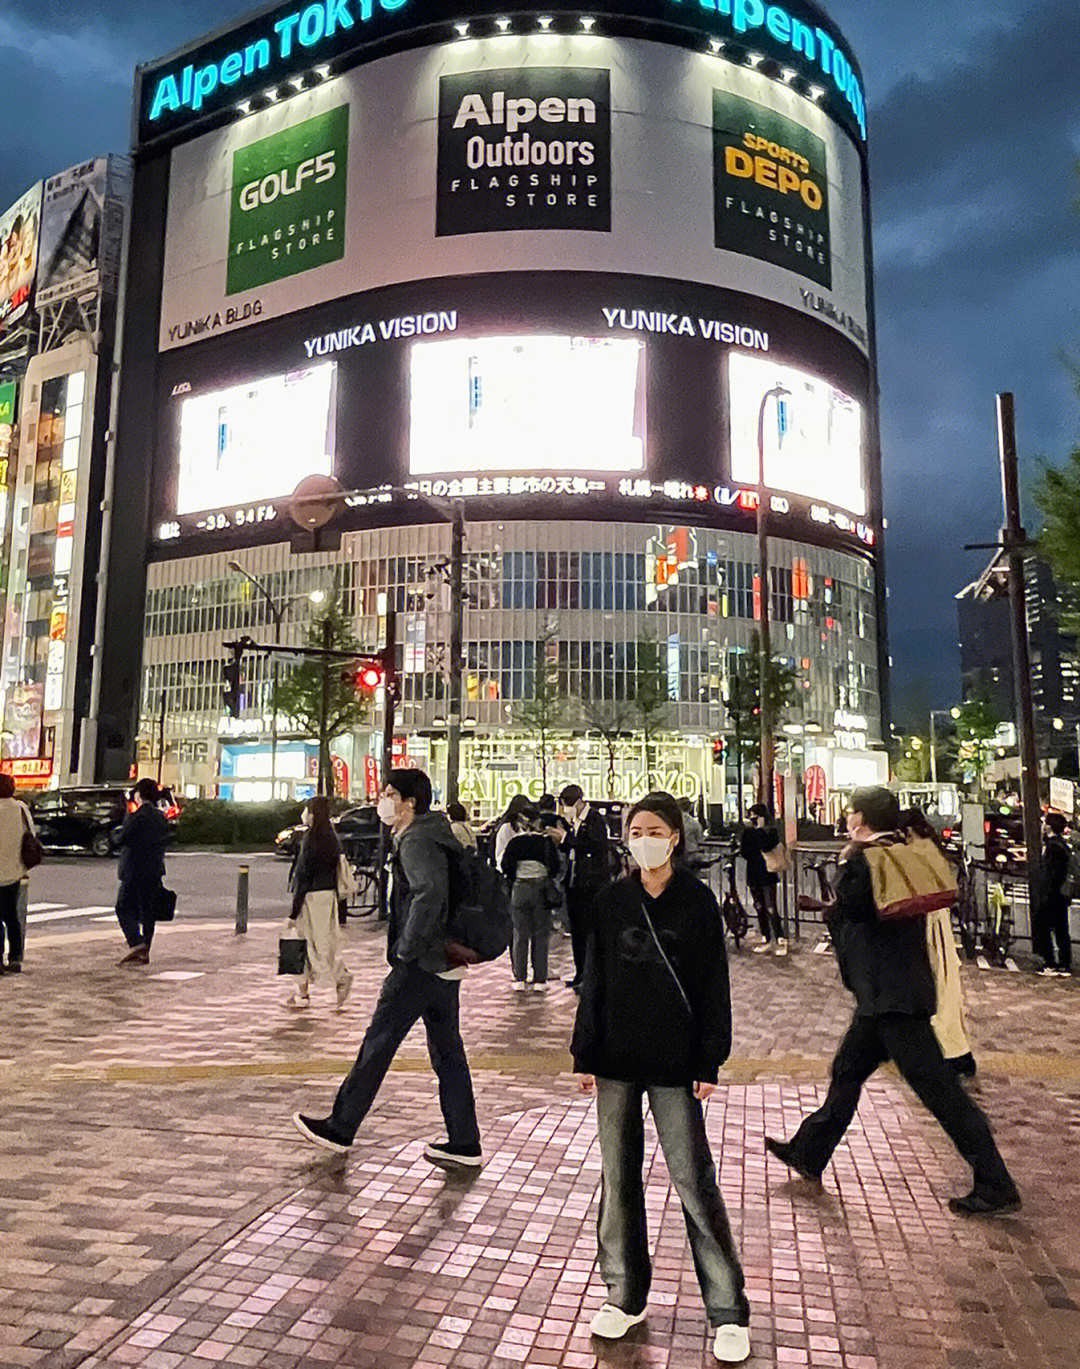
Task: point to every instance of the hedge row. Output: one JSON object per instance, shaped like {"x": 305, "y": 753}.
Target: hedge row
{"x": 218, "y": 822}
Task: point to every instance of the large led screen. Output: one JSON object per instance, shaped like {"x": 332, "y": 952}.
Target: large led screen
{"x": 813, "y": 433}
{"x": 256, "y": 441}
{"x": 526, "y": 404}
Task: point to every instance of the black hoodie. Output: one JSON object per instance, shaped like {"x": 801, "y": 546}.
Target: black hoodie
{"x": 632, "y": 1022}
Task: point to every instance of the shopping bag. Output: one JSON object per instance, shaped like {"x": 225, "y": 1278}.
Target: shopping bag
{"x": 292, "y": 955}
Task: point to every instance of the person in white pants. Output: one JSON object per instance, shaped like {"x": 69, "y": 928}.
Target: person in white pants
{"x": 316, "y": 876}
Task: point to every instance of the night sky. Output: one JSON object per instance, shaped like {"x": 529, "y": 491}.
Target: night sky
{"x": 974, "y": 137}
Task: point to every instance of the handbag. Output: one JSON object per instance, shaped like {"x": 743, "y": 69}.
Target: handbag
{"x": 292, "y": 955}
{"x": 166, "y": 907}
{"x": 31, "y": 852}
{"x": 346, "y": 880}
{"x": 896, "y": 896}
{"x": 551, "y": 894}
{"x": 776, "y": 859}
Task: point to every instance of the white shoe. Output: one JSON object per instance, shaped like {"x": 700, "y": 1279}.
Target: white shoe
{"x": 343, "y": 991}
{"x": 732, "y": 1344}
{"x": 298, "y": 1001}
{"x": 1048, "y": 972}
{"x": 761, "y": 949}
{"x": 781, "y": 946}
{"x": 539, "y": 988}
{"x": 519, "y": 986}
{"x": 612, "y": 1323}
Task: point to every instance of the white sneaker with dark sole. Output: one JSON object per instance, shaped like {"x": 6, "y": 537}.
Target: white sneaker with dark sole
{"x": 612, "y": 1323}
{"x": 441, "y": 1154}
{"x": 732, "y": 1344}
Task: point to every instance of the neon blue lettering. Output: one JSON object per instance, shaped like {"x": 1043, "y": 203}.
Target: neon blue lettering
{"x": 778, "y": 22}
{"x": 724, "y": 8}
{"x": 827, "y": 46}
{"x": 205, "y": 84}
{"x": 312, "y": 25}
{"x": 232, "y": 68}
{"x": 337, "y": 16}
{"x": 708, "y": 4}
{"x": 165, "y": 97}
{"x": 802, "y": 39}
{"x": 284, "y": 29}
{"x": 841, "y": 70}
{"x": 185, "y": 86}
{"x": 256, "y": 56}
{"x": 391, "y": 4}
{"x": 749, "y": 14}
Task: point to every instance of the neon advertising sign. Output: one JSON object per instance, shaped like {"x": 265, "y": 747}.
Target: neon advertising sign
{"x": 297, "y": 42}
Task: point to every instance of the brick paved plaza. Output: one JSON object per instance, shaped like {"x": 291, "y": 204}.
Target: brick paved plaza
{"x": 157, "y": 1208}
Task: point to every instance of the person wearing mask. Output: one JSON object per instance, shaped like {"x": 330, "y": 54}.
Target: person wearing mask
{"x": 315, "y": 905}
{"x": 654, "y": 1020}
{"x": 884, "y": 964}
{"x": 694, "y": 835}
{"x": 142, "y": 841}
{"x": 1050, "y": 920}
{"x": 530, "y": 864}
{"x": 948, "y": 1021}
{"x": 505, "y": 829}
{"x": 557, "y": 828}
{"x": 459, "y": 825}
{"x": 15, "y": 822}
{"x": 586, "y": 844}
{"x": 761, "y": 836}
{"x": 424, "y": 982}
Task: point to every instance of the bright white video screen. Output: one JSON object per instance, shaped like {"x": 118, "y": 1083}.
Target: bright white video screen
{"x": 256, "y": 441}
{"x": 813, "y": 434}
{"x": 527, "y": 404}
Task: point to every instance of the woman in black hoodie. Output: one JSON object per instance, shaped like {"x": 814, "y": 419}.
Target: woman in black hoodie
{"x": 654, "y": 1019}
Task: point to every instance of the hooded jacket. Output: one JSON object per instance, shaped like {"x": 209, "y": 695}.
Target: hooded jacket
{"x": 884, "y": 964}
{"x": 420, "y": 894}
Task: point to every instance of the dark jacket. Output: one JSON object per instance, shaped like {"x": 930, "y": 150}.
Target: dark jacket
{"x": 313, "y": 870}
{"x": 1053, "y": 872}
{"x": 753, "y": 844}
{"x": 420, "y": 893}
{"x": 529, "y": 846}
{"x": 884, "y": 964}
{"x": 632, "y": 1022}
{"x": 142, "y": 841}
{"x": 589, "y": 851}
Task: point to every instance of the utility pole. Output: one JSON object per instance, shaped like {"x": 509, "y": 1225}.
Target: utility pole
{"x": 161, "y": 738}
{"x": 457, "y": 664}
{"x": 1014, "y": 543}
{"x": 768, "y": 742}
{"x": 324, "y": 709}
{"x": 390, "y": 697}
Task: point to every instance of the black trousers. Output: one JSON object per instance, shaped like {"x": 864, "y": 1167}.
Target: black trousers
{"x": 136, "y": 909}
{"x": 1050, "y": 927}
{"x": 909, "y": 1042}
{"x": 9, "y": 922}
{"x": 580, "y": 901}
{"x": 768, "y": 916}
{"x": 408, "y": 995}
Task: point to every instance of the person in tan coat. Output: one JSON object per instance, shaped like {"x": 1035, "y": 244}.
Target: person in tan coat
{"x": 15, "y": 821}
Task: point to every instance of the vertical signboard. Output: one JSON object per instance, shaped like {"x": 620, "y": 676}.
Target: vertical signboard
{"x": 771, "y": 188}
{"x": 73, "y": 205}
{"x": 524, "y": 147}
{"x": 19, "y": 227}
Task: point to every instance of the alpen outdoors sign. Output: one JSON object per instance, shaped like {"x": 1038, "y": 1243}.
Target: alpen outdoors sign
{"x": 287, "y": 212}
{"x": 525, "y": 147}
{"x": 771, "y": 188}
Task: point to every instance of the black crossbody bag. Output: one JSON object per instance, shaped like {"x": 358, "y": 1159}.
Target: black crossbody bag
{"x": 663, "y": 955}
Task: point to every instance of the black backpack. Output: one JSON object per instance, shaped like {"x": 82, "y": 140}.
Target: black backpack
{"x": 479, "y": 916}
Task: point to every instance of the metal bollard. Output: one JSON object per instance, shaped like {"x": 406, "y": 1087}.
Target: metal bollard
{"x": 242, "y": 899}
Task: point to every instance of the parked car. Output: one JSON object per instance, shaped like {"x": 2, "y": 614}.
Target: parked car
{"x": 87, "y": 819}
{"x": 357, "y": 829}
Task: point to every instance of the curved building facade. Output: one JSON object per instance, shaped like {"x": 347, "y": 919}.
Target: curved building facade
{"x": 590, "y": 274}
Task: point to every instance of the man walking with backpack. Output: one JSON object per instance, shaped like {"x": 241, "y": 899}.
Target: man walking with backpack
{"x": 426, "y": 969}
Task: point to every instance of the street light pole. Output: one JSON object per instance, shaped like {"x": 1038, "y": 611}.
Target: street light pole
{"x": 768, "y": 744}
{"x": 276, "y": 614}
{"x": 457, "y": 635}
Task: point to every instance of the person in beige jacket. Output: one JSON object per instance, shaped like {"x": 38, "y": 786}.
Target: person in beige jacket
{"x": 15, "y": 821}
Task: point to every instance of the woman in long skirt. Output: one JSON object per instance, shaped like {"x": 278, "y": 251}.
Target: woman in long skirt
{"x": 315, "y": 905}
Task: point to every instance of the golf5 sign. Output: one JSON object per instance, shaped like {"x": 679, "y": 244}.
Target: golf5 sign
{"x": 287, "y": 212}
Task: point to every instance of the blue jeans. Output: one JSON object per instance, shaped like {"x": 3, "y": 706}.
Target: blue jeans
{"x": 621, "y": 1230}
{"x": 408, "y": 995}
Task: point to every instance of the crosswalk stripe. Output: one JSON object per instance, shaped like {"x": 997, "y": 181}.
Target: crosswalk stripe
{"x": 61, "y": 914}
{"x": 42, "y": 907}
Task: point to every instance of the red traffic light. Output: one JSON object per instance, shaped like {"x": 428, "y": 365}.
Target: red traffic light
{"x": 369, "y": 678}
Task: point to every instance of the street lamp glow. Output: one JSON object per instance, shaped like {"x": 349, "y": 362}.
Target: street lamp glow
{"x": 954, "y": 712}
{"x": 545, "y": 22}
{"x": 462, "y": 29}
{"x": 318, "y": 596}
{"x": 587, "y": 24}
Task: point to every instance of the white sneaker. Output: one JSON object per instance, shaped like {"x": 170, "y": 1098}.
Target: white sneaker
{"x": 298, "y": 1001}
{"x": 539, "y": 988}
{"x": 781, "y": 946}
{"x": 1048, "y": 972}
{"x": 519, "y": 986}
{"x": 612, "y": 1323}
{"x": 732, "y": 1344}
{"x": 762, "y": 948}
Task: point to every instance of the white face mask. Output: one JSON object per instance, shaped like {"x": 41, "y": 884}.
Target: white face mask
{"x": 650, "y": 853}
{"x": 387, "y": 810}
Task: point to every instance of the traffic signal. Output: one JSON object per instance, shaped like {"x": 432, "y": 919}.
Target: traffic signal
{"x": 230, "y": 672}
{"x": 368, "y": 678}
{"x": 718, "y": 751}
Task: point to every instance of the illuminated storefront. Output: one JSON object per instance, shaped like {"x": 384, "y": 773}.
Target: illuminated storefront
{"x": 557, "y": 265}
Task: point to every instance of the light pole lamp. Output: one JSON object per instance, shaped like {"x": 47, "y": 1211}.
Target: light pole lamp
{"x": 276, "y": 614}
{"x": 954, "y": 714}
{"x": 765, "y": 658}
